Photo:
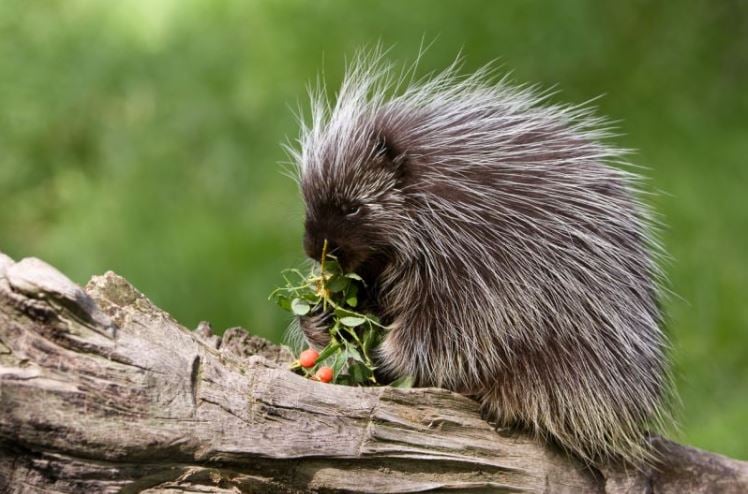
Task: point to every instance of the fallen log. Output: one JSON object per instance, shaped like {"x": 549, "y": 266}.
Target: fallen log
{"x": 102, "y": 391}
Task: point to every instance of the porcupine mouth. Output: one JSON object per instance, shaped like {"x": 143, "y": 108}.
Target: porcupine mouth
{"x": 369, "y": 268}
{"x": 351, "y": 263}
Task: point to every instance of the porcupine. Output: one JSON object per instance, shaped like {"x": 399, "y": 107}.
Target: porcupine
{"x": 505, "y": 246}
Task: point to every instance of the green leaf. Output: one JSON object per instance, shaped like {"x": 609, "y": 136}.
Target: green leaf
{"x": 283, "y": 302}
{"x": 330, "y": 349}
{"x": 337, "y": 284}
{"x": 332, "y": 266}
{"x": 334, "y": 329}
{"x": 369, "y": 340}
{"x": 344, "y": 379}
{"x": 300, "y": 307}
{"x": 403, "y": 382}
{"x": 354, "y": 354}
{"x": 341, "y": 312}
{"x": 340, "y": 360}
{"x": 359, "y": 373}
{"x": 351, "y": 295}
{"x": 352, "y": 321}
{"x": 374, "y": 320}
{"x": 312, "y": 297}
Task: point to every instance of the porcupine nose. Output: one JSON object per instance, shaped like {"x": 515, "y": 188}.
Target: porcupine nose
{"x": 313, "y": 246}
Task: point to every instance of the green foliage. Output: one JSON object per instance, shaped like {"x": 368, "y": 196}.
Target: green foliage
{"x": 353, "y": 335}
{"x": 143, "y": 137}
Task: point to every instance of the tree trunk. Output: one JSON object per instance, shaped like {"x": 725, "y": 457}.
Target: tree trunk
{"x": 101, "y": 391}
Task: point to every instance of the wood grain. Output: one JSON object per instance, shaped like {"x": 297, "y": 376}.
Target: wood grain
{"x": 101, "y": 391}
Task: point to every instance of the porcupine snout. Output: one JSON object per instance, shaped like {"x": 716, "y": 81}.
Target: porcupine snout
{"x": 315, "y": 235}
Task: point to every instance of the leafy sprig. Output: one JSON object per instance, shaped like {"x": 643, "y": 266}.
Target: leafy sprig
{"x": 353, "y": 334}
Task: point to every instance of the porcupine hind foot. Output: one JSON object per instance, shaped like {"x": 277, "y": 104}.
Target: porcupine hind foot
{"x": 491, "y": 412}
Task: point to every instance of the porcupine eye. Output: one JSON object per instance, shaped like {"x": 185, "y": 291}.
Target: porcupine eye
{"x": 351, "y": 210}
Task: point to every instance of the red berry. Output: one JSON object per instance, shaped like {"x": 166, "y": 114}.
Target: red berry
{"x": 308, "y": 358}
{"x": 324, "y": 374}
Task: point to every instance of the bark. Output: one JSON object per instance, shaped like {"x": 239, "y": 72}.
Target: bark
{"x": 102, "y": 391}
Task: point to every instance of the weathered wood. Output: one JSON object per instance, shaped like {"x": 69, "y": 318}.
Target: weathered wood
{"x": 101, "y": 391}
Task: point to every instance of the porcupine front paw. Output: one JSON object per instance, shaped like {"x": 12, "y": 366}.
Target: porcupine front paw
{"x": 490, "y": 411}
{"x": 316, "y": 328}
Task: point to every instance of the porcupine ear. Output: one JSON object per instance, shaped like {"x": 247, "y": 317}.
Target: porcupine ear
{"x": 391, "y": 155}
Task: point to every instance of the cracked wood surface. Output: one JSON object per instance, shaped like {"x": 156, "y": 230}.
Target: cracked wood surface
{"x": 101, "y": 391}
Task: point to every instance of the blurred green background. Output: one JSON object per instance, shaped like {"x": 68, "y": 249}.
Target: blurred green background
{"x": 144, "y": 137}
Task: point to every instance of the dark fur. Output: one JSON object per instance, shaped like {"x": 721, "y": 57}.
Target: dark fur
{"x": 509, "y": 259}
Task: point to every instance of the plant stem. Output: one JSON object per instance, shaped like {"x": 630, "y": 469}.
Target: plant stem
{"x": 322, "y": 288}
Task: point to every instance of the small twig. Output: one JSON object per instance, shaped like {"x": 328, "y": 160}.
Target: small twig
{"x": 322, "y": 288}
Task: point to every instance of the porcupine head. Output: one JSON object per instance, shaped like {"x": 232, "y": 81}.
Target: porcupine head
{"x": 504, "y": 246}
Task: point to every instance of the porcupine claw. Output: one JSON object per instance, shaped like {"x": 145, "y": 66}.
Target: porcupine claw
{"x": 316, "y": 328}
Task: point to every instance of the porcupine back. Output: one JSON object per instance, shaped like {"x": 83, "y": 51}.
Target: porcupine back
{"x": 521, "y": 265}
